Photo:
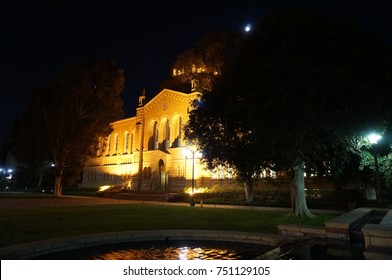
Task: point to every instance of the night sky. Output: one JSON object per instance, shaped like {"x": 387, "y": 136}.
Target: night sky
{"x": 39, "y": 38}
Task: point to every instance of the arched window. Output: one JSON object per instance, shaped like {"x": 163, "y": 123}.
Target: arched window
{"x": 177, "y": 131}
{"x": 155, "y": 136}
{"x": 166, "y": 140}
{"x": 164, "y": 135}
{"x": 126, "y": 142}
{"x": 115, "y": 144}
{"x": 133, "y": 141}
{"x": 108, "y": 145}
{"x": 153, "y": 139}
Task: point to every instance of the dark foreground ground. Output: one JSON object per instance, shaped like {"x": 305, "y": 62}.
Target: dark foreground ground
{"x": 25, "y": 200}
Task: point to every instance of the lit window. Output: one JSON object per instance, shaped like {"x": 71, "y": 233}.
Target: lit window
{"x": 115, "y": 143}
{"x": 126, "y": 142}
{"x": 109, "y": 144}
{"x": 132, "y": 141}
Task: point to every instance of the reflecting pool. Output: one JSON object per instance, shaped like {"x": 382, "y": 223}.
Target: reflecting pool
{"x": 159, "y": 250}
{"x": 313, "y": 249}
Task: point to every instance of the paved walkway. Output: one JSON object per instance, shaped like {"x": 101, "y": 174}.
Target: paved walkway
{"x": 32, "y": 200}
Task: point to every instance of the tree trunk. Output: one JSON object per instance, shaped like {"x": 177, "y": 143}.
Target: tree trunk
{"x": 249, "y": 193}
{"x": 58, "y": 188}
{"x": 39, "y": 184}
{"x": 298, "y": 200}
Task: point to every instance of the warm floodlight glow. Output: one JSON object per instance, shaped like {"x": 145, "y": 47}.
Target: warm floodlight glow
{"x": 104, "y": 188}
{"x": 374, "y": 138}
{"x": 189, "y": 191}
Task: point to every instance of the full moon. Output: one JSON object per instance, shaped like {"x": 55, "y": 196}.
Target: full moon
{"x": 248, "y": 27}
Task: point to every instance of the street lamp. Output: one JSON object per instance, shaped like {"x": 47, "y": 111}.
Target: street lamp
{"x": 373, "y": 140}
{"x": 192, "y": 202}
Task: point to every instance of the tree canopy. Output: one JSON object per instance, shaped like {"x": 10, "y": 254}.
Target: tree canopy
{"x": 302, "y": 86}
{"x": 66, "y": 117}
{"x": 207, "y": 59}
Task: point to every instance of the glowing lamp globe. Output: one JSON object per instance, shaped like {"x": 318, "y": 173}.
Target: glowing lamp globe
{"x": 374, "y": 138}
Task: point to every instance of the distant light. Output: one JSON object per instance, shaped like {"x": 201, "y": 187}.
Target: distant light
{"x": 189, "y": 190}
{"x": 374, "y": 138}
{"x": 248, "y": 27}
{"x": 104, "y": 188}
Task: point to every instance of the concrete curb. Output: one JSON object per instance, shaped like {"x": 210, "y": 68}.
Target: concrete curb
{"x": 38, "y": 248}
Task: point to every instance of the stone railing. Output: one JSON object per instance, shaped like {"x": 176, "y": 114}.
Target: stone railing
{"x": 111, "y": 160}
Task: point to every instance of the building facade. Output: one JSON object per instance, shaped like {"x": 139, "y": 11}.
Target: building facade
{"x": 148, "y": 152}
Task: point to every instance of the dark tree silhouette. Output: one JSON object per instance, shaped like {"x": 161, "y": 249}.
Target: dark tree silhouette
{"x": 303, "y": 85}
{"x": 65, "y": 118}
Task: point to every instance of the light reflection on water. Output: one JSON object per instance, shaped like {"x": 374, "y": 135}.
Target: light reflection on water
{"x": 181, "y": 250}
{"x": 170, "y": 253}
{"x": 314, "y": 249}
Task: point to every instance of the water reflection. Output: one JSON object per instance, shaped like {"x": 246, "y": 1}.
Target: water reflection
{"x": 176, "y": 250}
{"x": 170, "y": 253}
{"x": 314, "y": 249}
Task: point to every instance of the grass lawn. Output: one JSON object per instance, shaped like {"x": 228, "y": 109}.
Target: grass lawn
{"x": 19, "y": 225}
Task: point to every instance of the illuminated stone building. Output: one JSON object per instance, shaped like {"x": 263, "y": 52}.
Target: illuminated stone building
{"x": 148, "y": 152}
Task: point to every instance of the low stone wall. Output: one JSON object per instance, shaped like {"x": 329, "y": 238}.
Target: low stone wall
{"x": 337, "y": 228}
{"x": 299, "y": 232}
{"x": 378, "y": 238}
{"x": 340, "y": 226}
{"x": 35, "y": 249}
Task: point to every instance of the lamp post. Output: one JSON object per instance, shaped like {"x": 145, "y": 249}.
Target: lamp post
{"x": 192, "y": 202}
{"x": 373, "y": 140}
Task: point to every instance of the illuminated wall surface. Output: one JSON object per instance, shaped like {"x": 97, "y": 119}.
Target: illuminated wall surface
{"x": 148, "y": 152}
